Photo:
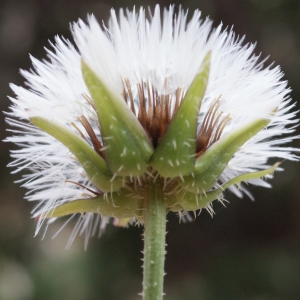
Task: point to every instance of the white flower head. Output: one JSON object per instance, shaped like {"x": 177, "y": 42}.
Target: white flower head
{"x": 146, "y": 99}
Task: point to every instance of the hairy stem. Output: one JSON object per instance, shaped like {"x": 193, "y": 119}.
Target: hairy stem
{"x": 154, "y": 242}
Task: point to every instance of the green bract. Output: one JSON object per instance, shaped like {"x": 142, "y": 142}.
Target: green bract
{"x": 128, "y": 164}
{"x": 175, "y": 155}
{"x": 210, "y": 165}
{"x": 128, "y": 148}
{"x": 93, "y": 164}
{"x": 120, "y": 205}
{"x": 188, "y": 201}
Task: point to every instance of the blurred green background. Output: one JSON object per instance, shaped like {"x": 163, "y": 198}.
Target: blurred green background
{"x": 249, "y": 250}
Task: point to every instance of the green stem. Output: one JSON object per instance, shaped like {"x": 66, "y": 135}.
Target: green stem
{"x": 154, "y": 242}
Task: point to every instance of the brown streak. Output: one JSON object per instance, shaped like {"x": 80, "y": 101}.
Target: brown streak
{"x": 150, "y": 108}
{"x": 211, "y": 128}
{"x": 221, "y": 127}
{"x": 90, "y": 131}
{"x": 162, "y": 116}
{"x": 89, "y": 101}
{"x": 177, "y": 101}
{"x": 129, "y": 91}
{"x": 86, "y": 188}
{"x": 79, "y": 131}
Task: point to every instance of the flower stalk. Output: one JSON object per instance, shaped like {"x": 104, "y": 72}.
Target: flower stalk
{"x": 154, "y": 241}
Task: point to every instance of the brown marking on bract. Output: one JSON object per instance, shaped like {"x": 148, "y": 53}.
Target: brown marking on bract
{"x": 154, "y": 111}
{"x": 212, "y": 127}
{"x": 90, "y": 131}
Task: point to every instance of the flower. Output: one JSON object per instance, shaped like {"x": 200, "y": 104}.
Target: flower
{"x": 144, "y": 100}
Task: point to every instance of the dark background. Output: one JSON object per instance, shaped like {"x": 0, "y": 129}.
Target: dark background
{"x": 249, "y": 250}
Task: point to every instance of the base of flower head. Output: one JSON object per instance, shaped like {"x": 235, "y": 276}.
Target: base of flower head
{"x": 129, "y": 202}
